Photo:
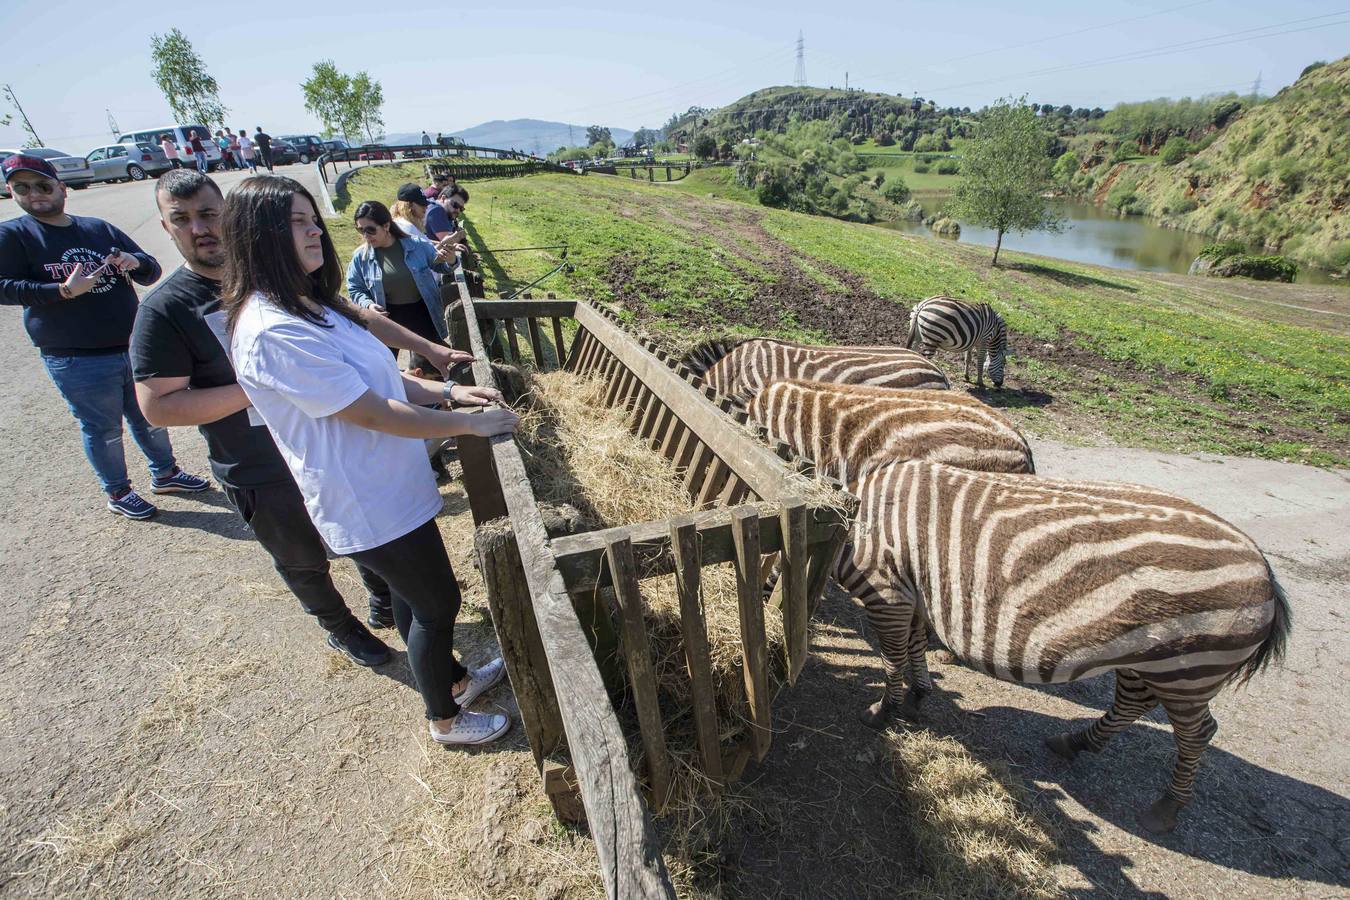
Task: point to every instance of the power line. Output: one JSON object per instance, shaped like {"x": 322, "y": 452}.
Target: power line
{"x": 1218, "y": 40}
{"x": 1056, "y": 37}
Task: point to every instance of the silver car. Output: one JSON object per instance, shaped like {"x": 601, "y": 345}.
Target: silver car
{"x": 133, "y": 161}
{"x": 72, "y": 170}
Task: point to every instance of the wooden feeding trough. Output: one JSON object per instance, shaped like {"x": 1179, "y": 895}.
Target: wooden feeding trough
{"x": 749, "y": 511}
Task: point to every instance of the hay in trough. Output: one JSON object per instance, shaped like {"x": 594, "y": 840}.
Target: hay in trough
{"x": 580, "y": 453}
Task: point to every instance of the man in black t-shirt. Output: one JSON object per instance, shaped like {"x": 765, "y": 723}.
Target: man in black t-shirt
{"x": 263, "y": 141}
{"x": 184, "y": 377}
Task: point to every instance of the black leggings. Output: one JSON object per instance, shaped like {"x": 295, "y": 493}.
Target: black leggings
{"x": 426, "y": 602}
{"x": 416, "y": 318}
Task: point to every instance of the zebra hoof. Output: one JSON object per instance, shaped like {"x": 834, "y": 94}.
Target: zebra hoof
{"x": 878, "y": 715}
{"x": 1064, "y": 745}
{"x": 945, "y": 656}
{"x": 1161, "y": 817}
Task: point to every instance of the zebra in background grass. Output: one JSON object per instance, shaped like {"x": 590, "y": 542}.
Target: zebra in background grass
{"x": 949, "y": 324}
{"x": 739, "y": 368}
{"x": 1045, "y": 581}
{"x": 847, "y": 430}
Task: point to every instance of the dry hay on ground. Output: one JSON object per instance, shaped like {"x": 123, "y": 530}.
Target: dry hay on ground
{"x": 975, "y": 832}
{"x": 580, "y": 453}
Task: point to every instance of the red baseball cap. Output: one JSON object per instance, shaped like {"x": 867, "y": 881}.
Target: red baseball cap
{"x": 22, "y": 162}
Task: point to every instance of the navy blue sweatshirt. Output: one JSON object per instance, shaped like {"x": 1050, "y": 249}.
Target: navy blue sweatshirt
{"x": 36, "y": 258}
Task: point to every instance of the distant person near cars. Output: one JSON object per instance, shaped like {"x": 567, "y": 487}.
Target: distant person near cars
{"x": 227, "y": 161}
{"x": 263, "y": 140}
{"x": 246, "y": 151}
{"x": 426, "y": 139}
{"x": 234, "y": 149}
{"x": 72, "y": 276}
{"x": 170, "y": 149}
{"x": 198, "y": 151}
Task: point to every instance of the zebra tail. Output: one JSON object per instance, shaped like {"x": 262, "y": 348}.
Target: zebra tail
{"x": 913, "y": 328}
{"x": 1273, "y": 647}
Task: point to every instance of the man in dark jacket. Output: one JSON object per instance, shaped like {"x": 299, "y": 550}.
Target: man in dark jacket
{"x": 70, "y": 274}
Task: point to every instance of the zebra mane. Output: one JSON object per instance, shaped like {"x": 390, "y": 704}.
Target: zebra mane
{"x": 703, "y": 356}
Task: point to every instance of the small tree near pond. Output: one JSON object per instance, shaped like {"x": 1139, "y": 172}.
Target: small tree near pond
{"x": 1005, "y": 174}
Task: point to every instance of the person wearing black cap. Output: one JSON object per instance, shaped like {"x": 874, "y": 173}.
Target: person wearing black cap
{"x": 72, "y": 275}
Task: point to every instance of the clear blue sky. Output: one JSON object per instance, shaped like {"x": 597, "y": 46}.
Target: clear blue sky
{"x": 444, "y": 69}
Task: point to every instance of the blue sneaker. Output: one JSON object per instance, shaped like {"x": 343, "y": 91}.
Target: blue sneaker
{"x": 178, "y": 482}
{"x": 131, "y": 505}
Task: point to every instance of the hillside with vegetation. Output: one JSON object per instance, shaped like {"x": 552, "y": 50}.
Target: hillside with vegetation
{"x": 1273, "y": 173}
{"x": 1096, "y": 354}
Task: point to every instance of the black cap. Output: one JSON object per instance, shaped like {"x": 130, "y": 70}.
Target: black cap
{"x": 411, "y": 193}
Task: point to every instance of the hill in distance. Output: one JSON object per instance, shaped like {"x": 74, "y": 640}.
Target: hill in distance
{"x": 531, "y": 135}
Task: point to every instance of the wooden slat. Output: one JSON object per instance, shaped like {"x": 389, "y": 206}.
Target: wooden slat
{"x": 754, "y": 645}
{"x": 578, "y": 355}
{"x": 625, "y": 840}
{"x": 512, "y": 340}
{"x": 713, "y": 483}
{"x": 641, "y": 676}
{"x": 518, "y": 635}
{"x": 756, "y": 464}
{"x": 536, "y": 345}
{"x": 794, "y": 565}
{"x": 653, "y": 414}
{"x": 559, "y": 348}
{"x": 822, "y": 562}
{"x": 698, "y": 469}
{"x": 688, "y": 572}
{"x": 616, "y": 377}
{"x": 665, "y": 422}
{"x": 581, "y": 556}
{"x": 732, "y": 492}
{"x": 674, "y": 439}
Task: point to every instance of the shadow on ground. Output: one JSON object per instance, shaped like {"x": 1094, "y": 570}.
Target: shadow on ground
{"x": 822, "y": 817}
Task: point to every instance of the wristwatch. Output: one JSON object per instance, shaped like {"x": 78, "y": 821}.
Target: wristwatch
{"x": 445, "y": 394}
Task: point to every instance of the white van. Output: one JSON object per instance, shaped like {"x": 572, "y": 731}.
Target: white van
{"x": 179, "y": 135}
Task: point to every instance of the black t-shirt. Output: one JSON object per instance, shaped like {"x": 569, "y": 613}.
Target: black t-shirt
{"x": 175, "y": 337}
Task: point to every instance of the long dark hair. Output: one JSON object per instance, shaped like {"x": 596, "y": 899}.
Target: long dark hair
{"x": 378, "y": 213}
{"x": 260, "y": 255}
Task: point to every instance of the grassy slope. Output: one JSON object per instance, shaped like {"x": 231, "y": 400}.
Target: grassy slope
{"x": 1134, "y": 358}
{"x": 1237, "y": 180}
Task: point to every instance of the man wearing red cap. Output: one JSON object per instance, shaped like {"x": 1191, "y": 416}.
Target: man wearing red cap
{"x": 72, "y": 276}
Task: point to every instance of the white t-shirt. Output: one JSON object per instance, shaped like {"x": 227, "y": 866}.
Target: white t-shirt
{"x": 409, "y": 228}
{"x": 246, "y": 147}
{"x": 362, "y": 488}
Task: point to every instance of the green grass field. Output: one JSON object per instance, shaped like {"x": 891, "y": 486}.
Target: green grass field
{"x": 1096, "y": 353}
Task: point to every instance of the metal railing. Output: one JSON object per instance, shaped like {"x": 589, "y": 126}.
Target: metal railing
{"x": 463, "y": 160}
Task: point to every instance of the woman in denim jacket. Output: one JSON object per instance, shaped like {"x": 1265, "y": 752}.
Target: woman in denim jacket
{"x": 394, "y": 273}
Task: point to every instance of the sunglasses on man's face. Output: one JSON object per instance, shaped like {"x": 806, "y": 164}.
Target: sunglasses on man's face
{"x": 369, "y": 230}
{"x": 24, "y": 188}
{"x": 457, "y": 207}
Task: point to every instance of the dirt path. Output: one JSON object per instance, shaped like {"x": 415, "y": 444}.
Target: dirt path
{"x": 172, "y": 723}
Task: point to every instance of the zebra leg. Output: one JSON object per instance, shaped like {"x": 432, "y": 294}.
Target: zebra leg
{"x": 968, "y": 352}
{"x": 1133, "y": 699}
{"x": 891, "y": 616}
{"x": 920, "y": 682}
{"x": 1193, "y": 727}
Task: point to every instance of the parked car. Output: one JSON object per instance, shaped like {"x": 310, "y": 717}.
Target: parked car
{"x": 417, "y": 154}
{"x": 134, "y": 162}
{"x": 336, "y": 145}
{"x": 179, "y": 134}
{"x": 308, "y": 147}
{"x": 375, "y": 151}
{"x": 72, "y": 170}
{"x": 284, "y": 153}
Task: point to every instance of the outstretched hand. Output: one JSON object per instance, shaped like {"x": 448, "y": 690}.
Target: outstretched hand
{"x": 491, "y": 422}
{"x": 82, "y": 280}
{"x": 471, "y": 395}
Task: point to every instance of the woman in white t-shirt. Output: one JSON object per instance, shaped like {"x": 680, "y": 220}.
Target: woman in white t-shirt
{"x": 351, "y": 430}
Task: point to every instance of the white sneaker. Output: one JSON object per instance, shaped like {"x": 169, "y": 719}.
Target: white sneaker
{"x": 481, "y": 680}
{"x": 472, "y": 728}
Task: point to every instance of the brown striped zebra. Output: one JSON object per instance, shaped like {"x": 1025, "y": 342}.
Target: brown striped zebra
{"x": 949, "y": 324}
{"x": 740, "y": 368}
{"x": 848, "y": 429}
{"x": 1046, "y": 581}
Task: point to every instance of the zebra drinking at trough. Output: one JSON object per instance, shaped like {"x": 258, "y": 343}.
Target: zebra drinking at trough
{"x": 1045, "y": 581}
{"x": 848, "y": 429}
{"x": 949, "y": 324}
{"x": 740, "y": 368}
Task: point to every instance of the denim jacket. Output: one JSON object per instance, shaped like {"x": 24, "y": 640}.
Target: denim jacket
{"x": 365, "y": 280}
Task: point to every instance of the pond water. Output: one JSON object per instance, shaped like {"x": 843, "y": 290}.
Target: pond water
{"x": 1095, "y": 235}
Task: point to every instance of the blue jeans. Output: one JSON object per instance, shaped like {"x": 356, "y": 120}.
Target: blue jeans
{"x": 201, "y": 162}
{"x": 99, "y": 391}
